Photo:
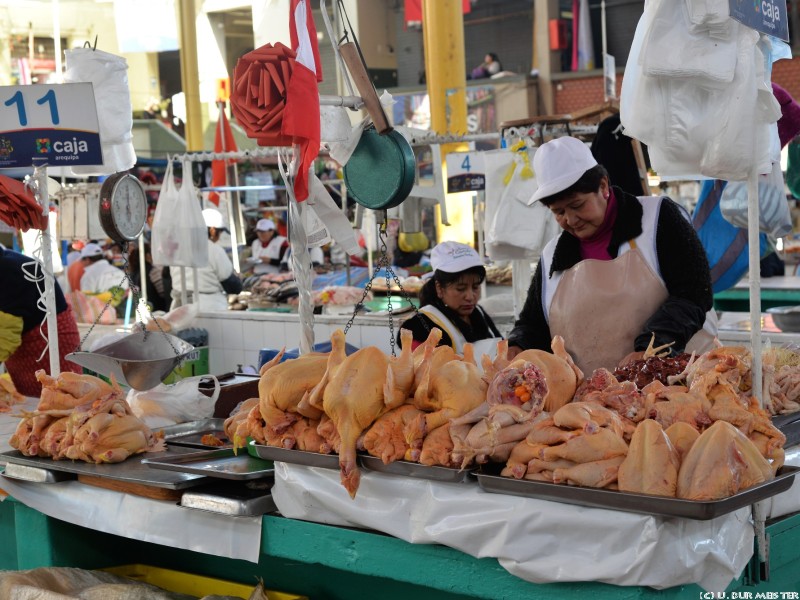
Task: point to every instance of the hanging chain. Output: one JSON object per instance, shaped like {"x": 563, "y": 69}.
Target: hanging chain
{"x": 134, "y": 290}
{"x": 383, "y": 263}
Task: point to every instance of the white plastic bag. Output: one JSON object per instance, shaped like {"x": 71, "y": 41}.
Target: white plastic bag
{"x": 179, "y": 234}
{"x": 773, "y": 209}
{"x": 108, "y": 75}
{"x": 181, "y": 402}
{"x": 514, "y": 228}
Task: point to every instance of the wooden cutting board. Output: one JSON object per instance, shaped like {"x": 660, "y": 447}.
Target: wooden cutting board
{"x": 127, "y": 487}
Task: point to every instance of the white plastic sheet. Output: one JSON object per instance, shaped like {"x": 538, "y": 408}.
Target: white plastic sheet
{"x": 156, "y": 521}
{"x": 108, "y": 75}
{"x": 536, "y": 540}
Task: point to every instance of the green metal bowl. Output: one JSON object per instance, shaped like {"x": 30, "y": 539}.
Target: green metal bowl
{"x": 380, "y": 172}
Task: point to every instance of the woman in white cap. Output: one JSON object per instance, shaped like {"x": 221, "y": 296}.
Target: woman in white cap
{"x": 449, "y": 301}
{"x": 268, "y": 249}
{"x": 624, "y": 268}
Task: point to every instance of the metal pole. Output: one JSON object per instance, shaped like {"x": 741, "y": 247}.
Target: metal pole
{"x": 190, "y": 79}
{"x": 143, "y": 275}
{"x": 40, "y": 174}
{"x": 755, "y": 282}
{"x": 231, "y": 222}
{"x": 57, "y": 40}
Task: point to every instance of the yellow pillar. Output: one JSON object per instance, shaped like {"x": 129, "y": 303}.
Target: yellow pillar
{"x": 446, "y": 77}
{"x": 190, "y": 79}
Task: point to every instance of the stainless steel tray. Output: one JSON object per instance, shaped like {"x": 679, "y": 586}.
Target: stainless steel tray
{"x": 227, "y": 499}
{"x": 190, "y": 434}
{"x": 297, "y": 457}
{"x": 411, "y": 469}
{"x": 638, "y": 503}
{"x": 789, "y": 426}
{"x": 215, "y": 463}
{"x": 131, "y": 470}
{"x": 35, "y": 474}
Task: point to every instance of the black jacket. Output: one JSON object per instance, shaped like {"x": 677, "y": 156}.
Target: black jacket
{"x": 683, "y": 265}
{"x": 480, "y": 327}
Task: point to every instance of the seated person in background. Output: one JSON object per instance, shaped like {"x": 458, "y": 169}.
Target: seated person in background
{"x": 316, "y": 255}
{"x": 21, "y": 317}
{"x": 98, "y": 275}
{"x": 490, "y": 66}
{"x": 449, "y": 301}
{"x": 268, "y": 250}
{"x": 216, "y": 280}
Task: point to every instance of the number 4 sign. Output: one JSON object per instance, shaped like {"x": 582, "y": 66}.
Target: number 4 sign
{"x": 465, "y": 172}
{"x": 54, "y": 125}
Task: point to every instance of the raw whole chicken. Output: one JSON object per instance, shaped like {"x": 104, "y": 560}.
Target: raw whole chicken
{"x": 437, "y": 448}
{"x": 596, "y": 474}
{"x": 683, "y": 436}
{"x": 354, "y": 395}
{"x": 284, "y": 384}
{"x": 560, "y": 373}
{"x": 237, "y": 417}
{"x": 386, "y": 440}
{"x": 449, "y": 391}
{"x": 103, "y": 429}
{"x": 588, "y": 447}
{"x": 721, "y": 463}
{"x": 652, "y": 463}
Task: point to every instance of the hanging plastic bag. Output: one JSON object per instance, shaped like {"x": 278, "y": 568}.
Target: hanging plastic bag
{"x": 773, "y": 209}
{"x": 514, "y": 228}
{"x": 181, "y": 402}
{"x": 179, "y": 234}
{"x": 108, "y": 75}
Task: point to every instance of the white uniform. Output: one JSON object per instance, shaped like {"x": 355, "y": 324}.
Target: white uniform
{"x": 212, "y": 295}
{"x": 272, "y": 250}
{"x": 101, "y": 276}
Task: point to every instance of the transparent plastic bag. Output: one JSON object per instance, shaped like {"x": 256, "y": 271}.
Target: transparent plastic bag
{"x": 181, "y": 402}
{"x": 773, "y": 209}
{"x": 179, "y": 234}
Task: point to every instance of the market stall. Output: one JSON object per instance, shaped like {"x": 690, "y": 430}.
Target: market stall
{"x": 426, "y": 473}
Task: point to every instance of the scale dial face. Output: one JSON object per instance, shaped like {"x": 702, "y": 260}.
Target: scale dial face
{"x": 123, "y": 207}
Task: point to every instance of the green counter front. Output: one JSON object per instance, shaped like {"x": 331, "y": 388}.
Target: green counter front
{"x": 334, "y": 563}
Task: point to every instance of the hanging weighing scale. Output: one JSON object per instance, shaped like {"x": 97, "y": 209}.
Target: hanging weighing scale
{"x": 141, "y": 360}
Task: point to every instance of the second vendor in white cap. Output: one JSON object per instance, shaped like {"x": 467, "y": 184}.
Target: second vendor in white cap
{"x": 268, "y": 249}
{"x": 624, "y": 268}
{"x": 449, "y": 301}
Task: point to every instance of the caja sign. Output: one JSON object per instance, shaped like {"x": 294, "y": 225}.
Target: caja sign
{"x": 766, "y": 16}
{"x": 49, "y": 124}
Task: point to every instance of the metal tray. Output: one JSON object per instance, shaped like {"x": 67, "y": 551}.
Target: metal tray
{"x": 215, "y": 463}
{"x": 789, "y": 426}
{"x": 297, "y": 457}
{"x": 190, "y": 434}
{"x": 227, "y": 499}
{"x": 35, "y": 474}
{"x": 411, "y": 469}
{"x": 131, "y": 470}
{"x": 638, "y": 503}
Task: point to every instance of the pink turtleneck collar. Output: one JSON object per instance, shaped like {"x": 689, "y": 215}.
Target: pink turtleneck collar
{"x": 597, "y": 245}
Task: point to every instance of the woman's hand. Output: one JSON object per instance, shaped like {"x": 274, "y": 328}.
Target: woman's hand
{"x": 513, "y": 351}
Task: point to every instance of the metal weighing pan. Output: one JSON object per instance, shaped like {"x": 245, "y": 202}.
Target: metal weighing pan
{"x": 36, "y": 474}
{"x": 789, "y": 426}
{"x": 228, "y": 499}
{"x": 190, "y": 434}
{"x": 638, "y": 503}
{"x": 131, "y": 470}
{"x": 297, "y": 457}
{"x": 215, "y": 463}
{"x": 411, "y": 469}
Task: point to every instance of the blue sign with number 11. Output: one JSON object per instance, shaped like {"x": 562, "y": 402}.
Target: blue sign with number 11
{"x": 49, "y": 124}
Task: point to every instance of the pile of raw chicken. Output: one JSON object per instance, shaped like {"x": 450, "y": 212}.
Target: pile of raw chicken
{"x": 701, "y": 436}
{"x": 81, "y": 417}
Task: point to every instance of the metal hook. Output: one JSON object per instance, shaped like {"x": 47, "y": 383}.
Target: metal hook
{"x": 86, "y": 44}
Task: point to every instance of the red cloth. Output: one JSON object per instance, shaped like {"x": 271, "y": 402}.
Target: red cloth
{"x": 301, "y": 116}
{"x": 597, "y": 245}
{"x": 18, "y": 206}
{"x": 219, "y": 168}
{"x": 74, "y": 274}
{"x": 23, "y": 364}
